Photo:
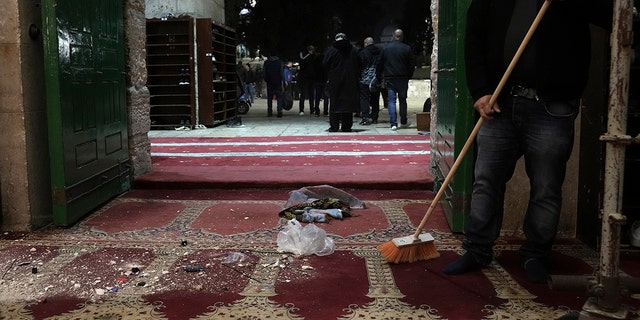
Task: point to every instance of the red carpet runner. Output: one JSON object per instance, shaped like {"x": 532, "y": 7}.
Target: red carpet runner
{"x": 363, "y": 161}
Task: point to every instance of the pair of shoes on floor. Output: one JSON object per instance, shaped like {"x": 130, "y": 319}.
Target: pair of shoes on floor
{"x": 536, "y": 269}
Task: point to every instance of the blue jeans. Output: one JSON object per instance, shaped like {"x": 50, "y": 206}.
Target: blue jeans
{"x": 250, "y": 91}
{"x": 541, "y": 132}
{"x": 397, "y": 88}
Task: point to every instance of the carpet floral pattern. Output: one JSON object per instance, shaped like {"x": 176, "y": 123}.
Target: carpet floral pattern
{"x": 142, "y": 258}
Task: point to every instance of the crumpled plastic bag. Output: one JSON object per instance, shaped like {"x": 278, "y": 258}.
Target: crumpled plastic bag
{"x": 307, "y": 240}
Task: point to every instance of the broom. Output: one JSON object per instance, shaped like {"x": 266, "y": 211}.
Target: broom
{"x": 420, "y": 246}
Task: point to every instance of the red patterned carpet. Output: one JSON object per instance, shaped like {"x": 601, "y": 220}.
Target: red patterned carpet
{"x": 169, "y": 253}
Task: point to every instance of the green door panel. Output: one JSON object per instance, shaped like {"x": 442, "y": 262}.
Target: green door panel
{"x": 455, "y": 114}
{"x": 86, "y": 104}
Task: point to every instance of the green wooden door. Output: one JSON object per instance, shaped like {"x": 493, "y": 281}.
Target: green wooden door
{"x": 86, "y": 104}
{"x": 455, "y": 114}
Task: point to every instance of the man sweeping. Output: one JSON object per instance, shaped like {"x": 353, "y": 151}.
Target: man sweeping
{"x": 533, "y": 117}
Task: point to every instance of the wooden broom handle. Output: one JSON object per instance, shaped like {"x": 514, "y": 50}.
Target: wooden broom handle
{"x": 474, "y": 132}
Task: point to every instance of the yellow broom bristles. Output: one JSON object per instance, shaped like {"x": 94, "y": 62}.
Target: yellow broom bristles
{"x": 411, "y": 253}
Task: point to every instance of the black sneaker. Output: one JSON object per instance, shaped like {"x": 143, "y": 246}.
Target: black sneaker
{"x": 537, "y": 270}
{"x": 279, "y": 114}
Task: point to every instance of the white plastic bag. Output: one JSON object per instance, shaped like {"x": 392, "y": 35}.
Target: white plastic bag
{"x": 306, "y": 240}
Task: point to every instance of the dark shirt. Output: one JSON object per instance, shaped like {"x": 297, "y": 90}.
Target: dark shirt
{"x": 273, "y": 73}
{"x": 397, "y": 60}
{"x": 562, "y": 45}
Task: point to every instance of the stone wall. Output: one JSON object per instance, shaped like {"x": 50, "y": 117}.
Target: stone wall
{"x": 137, "y": 91}
{"x": 25, "y": 191}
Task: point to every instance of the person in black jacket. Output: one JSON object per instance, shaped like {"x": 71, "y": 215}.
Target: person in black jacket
{"x": 274, "y": 77}
{"x": 398, "y": 64}
{"x": 533, "y": 117}
{"x": 343, "y": 71}
{"x": 306, "y": 78}
{"x": 369, "y": 56}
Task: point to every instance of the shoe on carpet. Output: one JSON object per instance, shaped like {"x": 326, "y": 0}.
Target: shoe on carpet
{"x": 466, "y": 263}
{"x": 536, "y": 270}
{"x": 394, "y": 128}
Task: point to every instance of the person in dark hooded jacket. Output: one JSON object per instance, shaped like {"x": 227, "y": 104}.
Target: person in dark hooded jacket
{"x": 343, "y": 72}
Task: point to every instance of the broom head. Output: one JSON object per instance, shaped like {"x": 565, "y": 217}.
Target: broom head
{"x": 409, "y": 249}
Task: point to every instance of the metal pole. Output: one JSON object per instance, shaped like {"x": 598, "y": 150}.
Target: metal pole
{"x": 607, "y": 292}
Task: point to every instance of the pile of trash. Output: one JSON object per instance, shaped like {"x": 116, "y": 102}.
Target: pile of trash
{"x": 313, "y": 204}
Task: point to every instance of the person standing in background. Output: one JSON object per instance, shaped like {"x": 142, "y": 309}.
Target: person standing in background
{"x": 274, "y": 78}
{"x": 306, "y": 78}
{"x": 343, "y": 73}
{"x": 320, "y": 87}
{"x": 397, "y": 62}
{"x": 250, "y": 85}
{"x": 369, "y": 57}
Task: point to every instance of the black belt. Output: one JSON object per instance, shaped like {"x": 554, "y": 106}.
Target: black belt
{"x": 527, "y": 93}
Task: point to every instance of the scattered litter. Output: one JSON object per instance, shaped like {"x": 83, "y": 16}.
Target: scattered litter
{"x": 234, "y": 258}
{"x": 323, "y": 197}
{"x": 306, "y": 240}
{"x": 193, "y": 269}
